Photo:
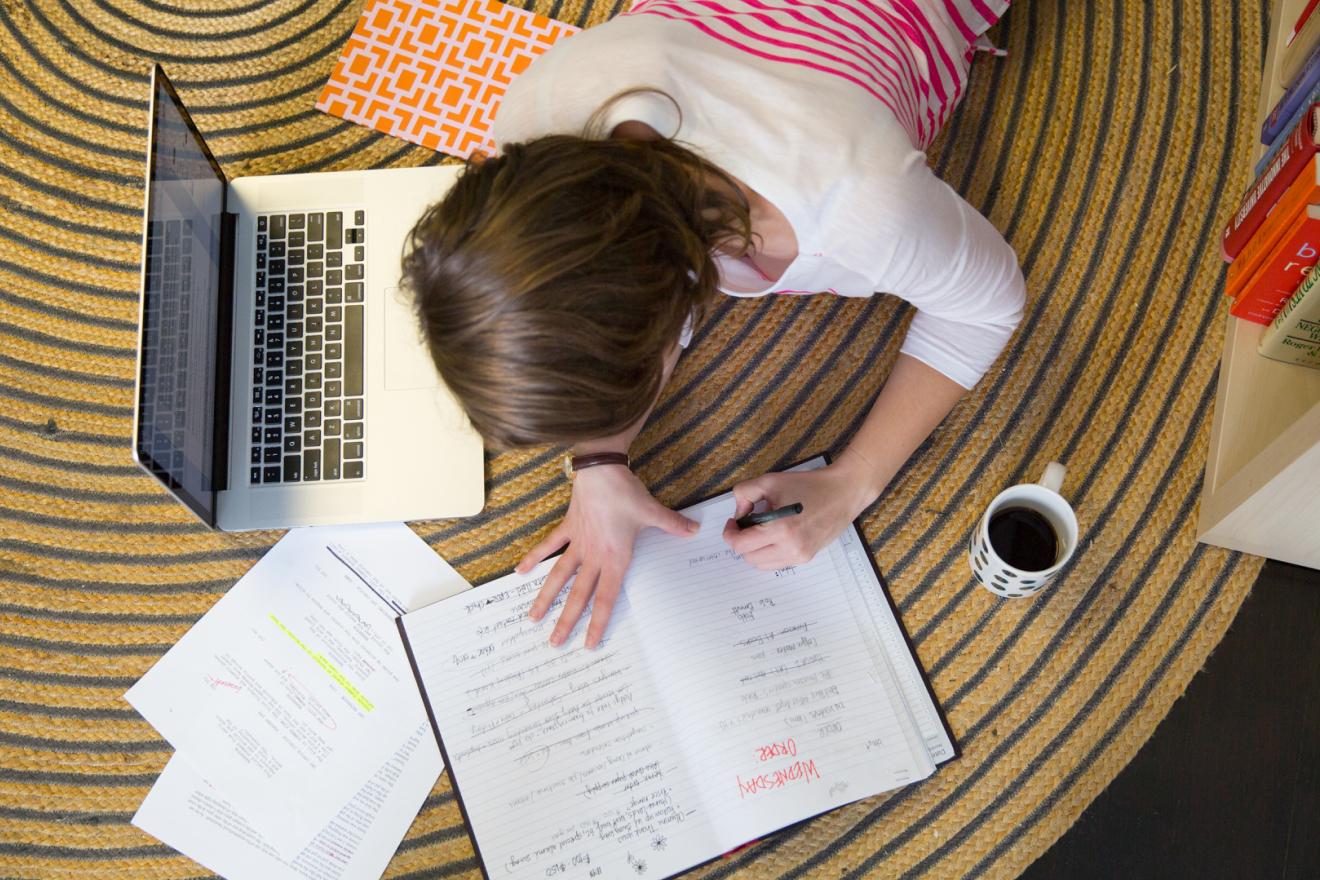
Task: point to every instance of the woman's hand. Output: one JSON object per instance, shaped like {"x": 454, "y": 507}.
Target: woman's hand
{"x": 831, "y": 498}
{"x": 608, "y": 508}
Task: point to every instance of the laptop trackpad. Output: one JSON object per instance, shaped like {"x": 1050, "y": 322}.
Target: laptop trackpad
{"x": 407, "y": 362}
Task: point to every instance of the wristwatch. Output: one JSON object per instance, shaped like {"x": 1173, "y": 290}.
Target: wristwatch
{"x": 578, "y": 462}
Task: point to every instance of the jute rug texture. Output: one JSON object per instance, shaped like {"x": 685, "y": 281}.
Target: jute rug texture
{"x": 1110, "y": 146}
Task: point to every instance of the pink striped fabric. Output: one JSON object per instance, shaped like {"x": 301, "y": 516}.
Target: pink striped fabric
{"x": 911, "y": 55}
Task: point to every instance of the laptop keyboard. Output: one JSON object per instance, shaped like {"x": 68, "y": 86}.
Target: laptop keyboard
{"x": 307, "y": 401}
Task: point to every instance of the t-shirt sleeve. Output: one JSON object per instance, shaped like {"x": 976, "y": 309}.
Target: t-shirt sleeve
{"x": 940, "y": 254}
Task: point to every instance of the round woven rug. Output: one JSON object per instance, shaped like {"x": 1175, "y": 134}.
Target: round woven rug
{"x": 1110, "y": 146}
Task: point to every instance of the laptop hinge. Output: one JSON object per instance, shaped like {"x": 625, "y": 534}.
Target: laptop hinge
{"x": 224, "y": 354}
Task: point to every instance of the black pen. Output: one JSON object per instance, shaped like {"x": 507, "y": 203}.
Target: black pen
{"x": 765, "y": 516}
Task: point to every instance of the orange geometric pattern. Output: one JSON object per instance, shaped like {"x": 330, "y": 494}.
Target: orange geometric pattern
{"x": 433, "y": 71}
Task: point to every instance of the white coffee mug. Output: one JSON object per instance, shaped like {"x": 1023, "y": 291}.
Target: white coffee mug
{"x": 997, "y": 575}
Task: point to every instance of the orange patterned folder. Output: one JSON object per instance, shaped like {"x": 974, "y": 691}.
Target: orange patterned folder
{"x": 433, "y": 71}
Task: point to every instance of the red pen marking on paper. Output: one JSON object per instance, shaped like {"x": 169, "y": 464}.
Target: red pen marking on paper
{"x": 220, "y": 682}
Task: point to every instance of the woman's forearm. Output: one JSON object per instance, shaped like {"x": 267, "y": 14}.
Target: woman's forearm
{"x": 913, "y": 402}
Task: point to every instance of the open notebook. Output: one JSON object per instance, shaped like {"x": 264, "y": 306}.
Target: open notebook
{"x": 725, "y": 703}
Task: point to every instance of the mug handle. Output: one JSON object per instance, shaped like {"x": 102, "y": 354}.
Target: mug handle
{"x": 1052, "y": 479}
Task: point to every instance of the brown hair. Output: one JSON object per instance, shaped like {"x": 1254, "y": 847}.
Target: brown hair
{"x": 551, "y": 281}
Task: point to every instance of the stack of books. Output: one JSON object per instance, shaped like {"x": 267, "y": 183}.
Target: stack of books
{"x": 1273, "y": 239}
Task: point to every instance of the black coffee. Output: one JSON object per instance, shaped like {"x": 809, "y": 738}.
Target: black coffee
{"x": 1024, "y": 539}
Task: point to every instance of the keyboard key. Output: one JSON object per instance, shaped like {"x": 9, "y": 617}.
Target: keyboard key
{"x": 312, "y": 418}
{"x": 295, "y": 253}
{"x": 312, "y": 400}
{"x": 274, "y": 377}
{"x": 273, "y": 397}
{"x": 334, "y": 370}
{"x": 293, "y": 406}
{"x": 275, "y": 321}
{"x": 353, "y": 431}
{"x": 315, "y": 227}
{"x": 315, "y": 269}
{"x": 256, "y": 434}
{"x": 259, "y": 317}
{"x": 259, "y": 299}
{"x": 293, "y": 386}
{"x": 332, "y": 428}
{"x": 271, "y": 435}
{"x": 334, "y": 351}
{"x": 352, "y": 408}
{"x": 275, "y": 285}
{"x": 352, "y": 470}
{"x": 312, "y": 362}
{"x": 293, "y": 348}
{"x": 315, "y": 252}
{"x": 359, "y": 217}
{"x": 353, "y": 351}
{"x": 334, "y": 228}
{"x": 254, "y": 476}
{"x": 333, "y": 407}
{"x": 333, "y": 332}
{"x": 277, "y": 226}
{"x": 261, "y": 264}
{"x": 270, "y": 474}
{"x": 314, "y": 324}
{"x": 354, "y": 236}
{"x": 353, "y": 271}
{"x": 261, "y": 239}
{"x": 256, "y": 415}
{"x": 293, "y": 443}
{"x": 293, "y": 424}
{"x": 353, "y": 292}
{"x": 272, "y": 455}
{"x": 313, "y": 342}
{"x": 261, "y": 224}
{"x": 273, "y": 416}
{"x": 295, "y": 293}
{"x": 334, "y": 387}
{"x": 312, "y": 381}
{"x": 311, "y": 465}
{"x": 294, "y": 329}
{"x": 359, "y": 254}
{"x": 334, "y": 260}
{"x": 297, "y": 221}
{"x": 315, "y": 306}
{"x": 293, "y": 367}
{"x": 295, "y": 274}
{"x": 275, "y": 267}
{"x": 275, "y": 250}
{"x": 275, "y": 340}
{"x": 256, "y": 455}
{"x": 333, "y": 278}
{"x": 353, "y": 450}
{"x": 314, "y": 287}
{"x": 297, "y": 239}
{"x": 292, "y": 468}
{"x": 312, "y": 439}
{"x": 256, "y": 395}
{"x": 275, "y": 304}
{"x": 334, "y": 296}
{"x": 335, "y": 314}
{"x": 330, "y": 459}
{"x": 275, "y": 358}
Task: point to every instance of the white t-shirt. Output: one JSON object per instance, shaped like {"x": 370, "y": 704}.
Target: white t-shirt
{"x": 868, "y": 213}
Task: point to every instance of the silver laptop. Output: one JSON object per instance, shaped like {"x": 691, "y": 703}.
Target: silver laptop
{"x": 282, "y": 380}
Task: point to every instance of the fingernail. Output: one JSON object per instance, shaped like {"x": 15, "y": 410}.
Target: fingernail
{"x": 694, "y": 527}
{"x": 534, "y": 614}
{"x": 556, "y": 640}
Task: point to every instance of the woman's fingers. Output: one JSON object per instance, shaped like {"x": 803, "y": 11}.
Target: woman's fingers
{"x": 559, "y": 574}
{"x": 602, "y": 606}
{"x": 557, "y": 538}
{"x": 746, "y": 494}
{"x": 575, "y": 604}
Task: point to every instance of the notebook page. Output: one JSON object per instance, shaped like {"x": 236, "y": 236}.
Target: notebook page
{"x": 773, "y": 695}
{"x": 560, "y": 756}
{"x": 889, "y": 645}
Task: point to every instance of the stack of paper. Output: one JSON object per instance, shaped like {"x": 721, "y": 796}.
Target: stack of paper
{"x": 301, "y": 743}
{"x": 433, "y": 71}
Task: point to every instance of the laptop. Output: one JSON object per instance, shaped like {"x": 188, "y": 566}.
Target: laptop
{"x": 282, "y": 380}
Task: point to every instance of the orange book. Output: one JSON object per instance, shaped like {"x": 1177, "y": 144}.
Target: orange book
{"x": 1303, "y": 191}
{"x": 1282, "y": 271}
{"x": 433, "y": 71}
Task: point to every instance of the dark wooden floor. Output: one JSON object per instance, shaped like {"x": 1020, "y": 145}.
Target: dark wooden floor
{"x": 1229, "y": 785}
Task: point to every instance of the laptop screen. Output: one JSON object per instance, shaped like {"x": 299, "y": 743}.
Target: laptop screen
{"x": 180, "y": 308}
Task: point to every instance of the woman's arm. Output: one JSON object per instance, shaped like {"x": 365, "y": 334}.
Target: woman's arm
{"x": 913, "y": 402}
{"x": 608, "y": 507}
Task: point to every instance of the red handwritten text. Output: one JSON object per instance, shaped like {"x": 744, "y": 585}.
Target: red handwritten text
{"x": 798, "y": 771}
{"x": 785, "y": 749}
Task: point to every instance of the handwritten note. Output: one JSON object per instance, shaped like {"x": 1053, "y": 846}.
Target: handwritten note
{"x": 725, "y": 702}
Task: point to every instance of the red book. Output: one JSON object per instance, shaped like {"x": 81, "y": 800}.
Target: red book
{"x": 1281, "y": 272}
{"x": 1264, "y": 193}
{"x": 1303, "y": 191}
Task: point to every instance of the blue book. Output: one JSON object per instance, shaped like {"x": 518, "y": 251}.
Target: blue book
{"x": 1286, "y": 132}
{"x": 1293, "y": 100}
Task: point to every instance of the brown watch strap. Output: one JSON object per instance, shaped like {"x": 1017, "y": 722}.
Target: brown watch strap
{"x": 597, "y": 458}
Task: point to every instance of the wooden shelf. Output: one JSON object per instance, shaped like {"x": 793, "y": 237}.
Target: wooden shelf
{"x": 1262, "y": 478}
